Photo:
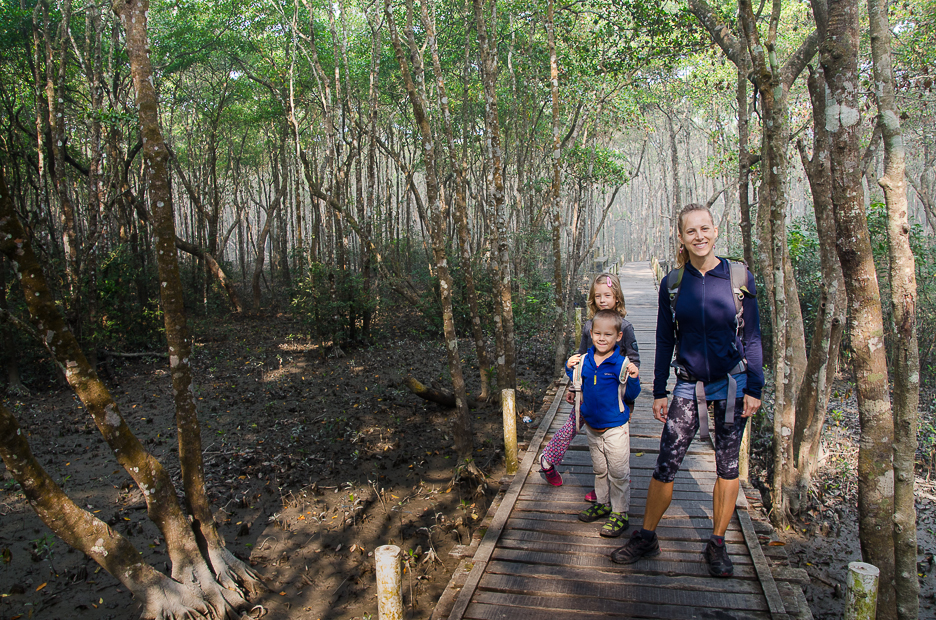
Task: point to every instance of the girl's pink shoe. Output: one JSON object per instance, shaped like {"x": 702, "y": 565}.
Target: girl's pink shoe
{"x": 591, "y": 497}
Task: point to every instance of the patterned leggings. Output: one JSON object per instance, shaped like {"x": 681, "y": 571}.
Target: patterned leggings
{"x": 557, "y": 446}
{"x": 682, "y": 423}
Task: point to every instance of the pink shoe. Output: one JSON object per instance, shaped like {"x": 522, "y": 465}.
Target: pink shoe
{"x": 552, "y": 475}
{"x": 591, "y": 497}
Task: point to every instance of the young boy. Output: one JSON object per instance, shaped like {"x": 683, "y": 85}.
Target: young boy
{"x": 606, "y": 419}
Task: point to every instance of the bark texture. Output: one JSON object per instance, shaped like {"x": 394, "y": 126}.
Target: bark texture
{"x": 230, "y": 572}
{"x": 506, "y": 358}
{"x": 838, "y": 56}
{"x": 906, "y": 361}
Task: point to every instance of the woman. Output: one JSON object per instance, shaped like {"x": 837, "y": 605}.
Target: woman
{"x": 713, "y": 354}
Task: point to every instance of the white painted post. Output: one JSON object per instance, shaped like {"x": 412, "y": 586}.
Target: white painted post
{"x": 861, "y": 591}
{"x": 509, "y": 402}
{"x": 389, "y": 580}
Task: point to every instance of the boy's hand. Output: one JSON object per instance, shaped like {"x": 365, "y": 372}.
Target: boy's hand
{"x": 573, "y": 361}
{"x": 632, "y": 370}
{"x": 570, "y": 397}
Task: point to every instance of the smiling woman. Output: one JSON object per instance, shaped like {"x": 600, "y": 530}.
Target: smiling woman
{"x": 718, "y": 358}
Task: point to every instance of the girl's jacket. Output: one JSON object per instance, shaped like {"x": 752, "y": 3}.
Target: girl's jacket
{"x": 602, "y": 405}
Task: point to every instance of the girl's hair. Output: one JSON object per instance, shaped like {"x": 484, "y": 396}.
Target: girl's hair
{"x": 613, "y": 283}
{"x": 682, "y": 257}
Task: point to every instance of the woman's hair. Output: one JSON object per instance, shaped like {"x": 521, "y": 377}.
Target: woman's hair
{"x": 682, "y": 257}
{"x": 613, "y": 283}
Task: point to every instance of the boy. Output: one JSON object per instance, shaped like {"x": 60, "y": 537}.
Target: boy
{"x": 606, "y": 419}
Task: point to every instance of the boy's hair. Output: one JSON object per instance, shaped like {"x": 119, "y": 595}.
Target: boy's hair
{"x": 612, "y": 282}
{"x": 609, "y": 315}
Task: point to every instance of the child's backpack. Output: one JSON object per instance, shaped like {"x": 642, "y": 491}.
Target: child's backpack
{"x": 576, "y": 388}
{"x": 738, "y": 272}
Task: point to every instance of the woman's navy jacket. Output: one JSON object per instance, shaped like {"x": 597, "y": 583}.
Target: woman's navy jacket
{"x": 708, "y": 345}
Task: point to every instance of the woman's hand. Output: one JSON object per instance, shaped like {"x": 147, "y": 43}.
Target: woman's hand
{"x": 570, "y": 397}
{"x": 660, "y": 409}
{"x": 751, "y": 405}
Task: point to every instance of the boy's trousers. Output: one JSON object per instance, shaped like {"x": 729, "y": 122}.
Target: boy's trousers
{"x": 610, "y": 454}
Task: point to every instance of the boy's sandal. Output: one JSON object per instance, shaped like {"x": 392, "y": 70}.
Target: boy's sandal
{"x": 616, "y": 525}
{"x": 594, "y": 512}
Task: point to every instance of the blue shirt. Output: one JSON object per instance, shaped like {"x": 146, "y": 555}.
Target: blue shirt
{"x": 600, "y": 390}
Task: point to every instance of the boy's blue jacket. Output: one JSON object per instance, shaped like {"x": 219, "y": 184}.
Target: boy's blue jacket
{"x": 600, "y": 385}
{"x": 708, "y": 345}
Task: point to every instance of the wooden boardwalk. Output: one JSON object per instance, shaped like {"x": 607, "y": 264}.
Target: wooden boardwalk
{"x": 536, "y": 560}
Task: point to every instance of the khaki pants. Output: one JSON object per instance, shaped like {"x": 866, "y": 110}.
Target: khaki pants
{"x": 610, "y": 454}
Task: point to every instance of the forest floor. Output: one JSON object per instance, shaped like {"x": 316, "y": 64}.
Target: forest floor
{"x": 314, "y": 463}
{"x": 311, "y": 465}
{"x": 825, "y": 538}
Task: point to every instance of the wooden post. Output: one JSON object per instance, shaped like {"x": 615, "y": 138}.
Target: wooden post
{"x": 861, "y": 591}
{"x": 578, "y": 329}
{"x": 389, "y": 580}
{"x": 744, "y": 458}
{"x": 509, "y": 400}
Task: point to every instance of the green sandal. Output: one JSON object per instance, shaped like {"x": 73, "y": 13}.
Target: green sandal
{"x": 616, "y": 525}
{"x": 594, "y": 512}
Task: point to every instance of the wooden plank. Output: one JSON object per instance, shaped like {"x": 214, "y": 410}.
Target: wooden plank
{"x": 584, "y": 531}
{"x": 516, "y": 606}
{"x": 681, "y": 550}
{"x": 621, "y": 592}
{"x": 548, "y": 518}
{"x": 680, "y": 582}
{"x": 774, "y": 601}
{"x": 646, "y": 566}
{"x": 675, "y": 510}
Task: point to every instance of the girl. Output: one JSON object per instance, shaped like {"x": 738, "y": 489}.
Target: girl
{"x": 605, "y": 294}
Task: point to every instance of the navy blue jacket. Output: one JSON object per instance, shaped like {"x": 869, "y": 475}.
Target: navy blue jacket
{"x": 600, "y": 385}
{"x": 708, "y": 345}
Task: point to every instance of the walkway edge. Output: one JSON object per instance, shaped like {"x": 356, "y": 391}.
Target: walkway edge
{"x": 486, "y": 548}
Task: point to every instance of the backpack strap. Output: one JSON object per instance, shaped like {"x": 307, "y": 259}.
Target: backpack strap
{"x": 577, "y": 391}
{"x": 622, "y": 384}
{"x": 739, "y": 289}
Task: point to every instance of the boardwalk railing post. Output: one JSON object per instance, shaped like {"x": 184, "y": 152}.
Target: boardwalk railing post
{"x": 509, "y": 401}
{"x": 861, "y": 591}
{"x": 744, "y": 458}
{"x": 389, "y": 580}
{"x": 578, "y": 328}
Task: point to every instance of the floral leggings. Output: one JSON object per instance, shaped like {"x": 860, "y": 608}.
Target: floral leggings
{"x": 557, "y": 446}
{"x": 682, "y": 423}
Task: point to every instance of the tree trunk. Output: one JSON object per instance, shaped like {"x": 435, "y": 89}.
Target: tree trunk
{"x": 555, "y": 208}
{"x": 903, "y": 305}
{"x": 464, "y": 439}
{"x": 839, "y": 61}
{"x": 188, "y": 566}
{"x": 232, "y": 574}
{"x": 461, "y": 208}
{"x": 506, "y": 361}
{"x": 813, "y": 398}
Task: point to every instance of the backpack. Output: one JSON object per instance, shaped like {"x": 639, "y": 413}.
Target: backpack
{"x": 738, "y": 272}
{"x": 576, "y": 388}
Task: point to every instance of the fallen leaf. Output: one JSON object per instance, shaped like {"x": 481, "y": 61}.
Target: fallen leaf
{"x": 776, "y": 543}
{"x": 42, "y": 586}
